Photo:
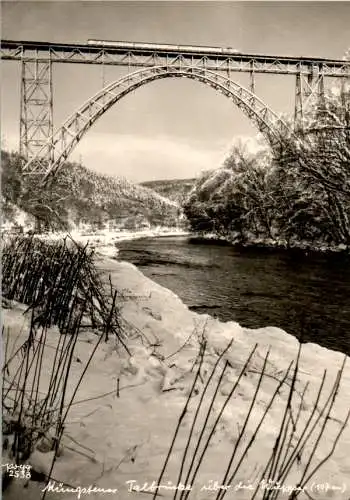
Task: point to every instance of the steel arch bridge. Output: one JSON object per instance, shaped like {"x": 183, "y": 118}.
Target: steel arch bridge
{"x": 45, "y": 151}
{"x": 73, "y": 129}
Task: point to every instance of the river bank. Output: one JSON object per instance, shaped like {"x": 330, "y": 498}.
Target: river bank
{"x": 129, "y": 407}
{"x": 104, "y": 241}
{"x": 270, "y": 244}
{"x": 292, "y": 290}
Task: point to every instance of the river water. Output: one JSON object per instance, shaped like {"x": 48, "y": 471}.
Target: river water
{"x": 255, "y": 287}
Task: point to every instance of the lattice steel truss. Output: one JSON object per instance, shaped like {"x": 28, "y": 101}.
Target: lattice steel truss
{"x": 36, "y": 120}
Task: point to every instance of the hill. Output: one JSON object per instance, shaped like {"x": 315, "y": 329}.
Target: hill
{"x": 174, "y": 189}
{"x": 78, "y": 197}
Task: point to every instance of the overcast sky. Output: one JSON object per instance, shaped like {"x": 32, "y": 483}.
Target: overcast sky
{"x": 171, "y": 128}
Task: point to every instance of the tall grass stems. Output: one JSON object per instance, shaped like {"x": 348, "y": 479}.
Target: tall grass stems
{"x": 299, "y": 435}
{"x": 60, "y": 285}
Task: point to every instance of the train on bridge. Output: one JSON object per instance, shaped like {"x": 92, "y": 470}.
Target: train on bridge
{"x": 162, "y": 46}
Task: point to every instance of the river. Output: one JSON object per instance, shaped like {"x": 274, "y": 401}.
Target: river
{"x": 254, "y": 287}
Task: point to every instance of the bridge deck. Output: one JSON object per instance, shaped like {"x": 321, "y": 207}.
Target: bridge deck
{"x": 150, "y": 54}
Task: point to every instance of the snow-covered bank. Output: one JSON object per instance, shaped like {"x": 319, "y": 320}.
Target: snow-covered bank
{"x": 110, "y": 440}
{"x": 105, "y": 241}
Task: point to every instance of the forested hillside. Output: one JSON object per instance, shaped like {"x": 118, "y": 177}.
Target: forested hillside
{"x": 299, "y": 195}
{"x": 174, "y": 189}
{"x": 78, "y": 196}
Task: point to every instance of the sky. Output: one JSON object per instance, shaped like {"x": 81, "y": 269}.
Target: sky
{"x": 171, "y": 128}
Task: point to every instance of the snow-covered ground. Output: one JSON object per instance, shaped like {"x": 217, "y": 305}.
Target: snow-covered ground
{"x": 110, "y": 441}
{"x": 105, "y": 241}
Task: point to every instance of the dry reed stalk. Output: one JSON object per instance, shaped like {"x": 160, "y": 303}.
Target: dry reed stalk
{"x": 283, "y": 454}
{"x": 59, "y": 283}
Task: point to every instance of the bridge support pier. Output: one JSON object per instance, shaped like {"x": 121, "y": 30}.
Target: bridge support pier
{"x": 36, "y": 112}
{"x": 345, "y": 96}
{"x": 308, "y": 87}
{"x": 252, "y": 78}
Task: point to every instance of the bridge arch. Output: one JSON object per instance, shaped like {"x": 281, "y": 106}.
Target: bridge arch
{"x": 70, "y": 133}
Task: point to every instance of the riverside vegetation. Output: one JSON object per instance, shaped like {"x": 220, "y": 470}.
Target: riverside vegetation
{"x": 297, "y": 196}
